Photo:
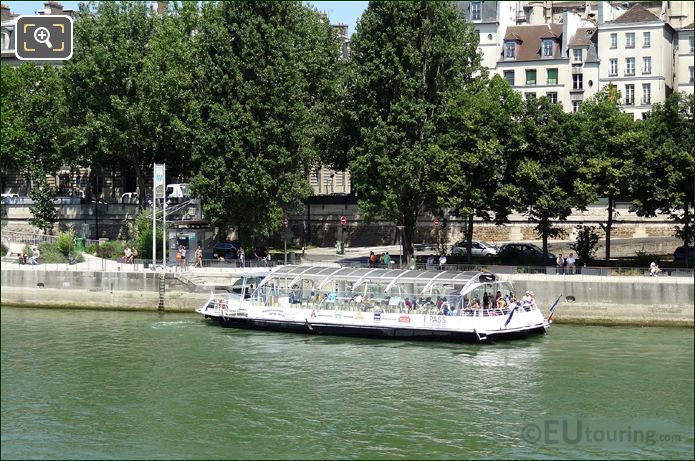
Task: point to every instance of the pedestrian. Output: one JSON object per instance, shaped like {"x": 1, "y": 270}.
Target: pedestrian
{"x": 571, "y": 262}
{"x": 442, "y": 262}
{"x": 387, "y": 259}
{"x": 560, "y": 261}
{"x": 199, "y": 257}
{"x": 242, "y": 257}
{"x": 182, "y": 262}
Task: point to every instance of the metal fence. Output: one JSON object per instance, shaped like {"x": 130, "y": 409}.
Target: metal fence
{"x": 218, "y": 265}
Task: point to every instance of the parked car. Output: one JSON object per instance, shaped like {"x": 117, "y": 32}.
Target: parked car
{"x": 129, "y": 197}
{"x": 679, "y": 254}
{"x": 526, "y": 253}
{"x": 10, "y": 198}
{"x": 226, "y": 250}
{"x": 478, "y": 248}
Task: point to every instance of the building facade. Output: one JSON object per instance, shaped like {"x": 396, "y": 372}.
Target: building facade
{"x": 636, "y": 51}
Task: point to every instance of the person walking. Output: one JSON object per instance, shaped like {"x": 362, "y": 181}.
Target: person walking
{"x": 182, "y": 250}
{"x": 242, "y": 257}
{"x": 387, "y": 260}
{"x": 199, "y": 257}
{"x": 571, "y": 262}
{"x": 442, "y": 262}
{"x": 560, "y": 261}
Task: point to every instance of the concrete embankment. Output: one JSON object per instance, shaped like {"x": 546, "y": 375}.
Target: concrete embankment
{"x": 586, "y": 299}
{"x": 613, "y": 300}
{"x": 105, "y": 290}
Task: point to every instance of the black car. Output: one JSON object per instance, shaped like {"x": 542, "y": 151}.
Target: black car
{"x": 226, "y": 250}
{"x": 524, "y": 253}
{"x": 679, "y": 254}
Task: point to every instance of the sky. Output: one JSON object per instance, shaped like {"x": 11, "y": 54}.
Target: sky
{"x": 345, "y": 12}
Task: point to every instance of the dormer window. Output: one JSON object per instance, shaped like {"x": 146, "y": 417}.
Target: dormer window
{"x": 547, "y": 48}
{"x": 475, "y": 11}
{"x": 509, "y": 49}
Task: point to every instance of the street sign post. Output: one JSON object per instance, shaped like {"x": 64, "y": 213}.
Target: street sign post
{"x": 343, "y": 220}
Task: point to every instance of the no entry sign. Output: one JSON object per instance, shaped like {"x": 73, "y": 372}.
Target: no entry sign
{"x": 343, "y": 220}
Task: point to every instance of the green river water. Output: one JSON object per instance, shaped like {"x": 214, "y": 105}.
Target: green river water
{"x": 90, "y": 384}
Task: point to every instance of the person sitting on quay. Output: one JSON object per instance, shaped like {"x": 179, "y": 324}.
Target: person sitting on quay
{"x": 654, "y": 269}
{"x": 35, "y": 255}
{"x": 442, "y": 262}
{"x": 387, "y": 260}
{"x": 127, "y": 255}
{"x": 134, "y": 255}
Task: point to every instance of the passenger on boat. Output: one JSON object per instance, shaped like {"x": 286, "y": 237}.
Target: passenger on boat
{"x": 486, "y": 300}
{"x": 475, "y": 304}
{"x": 358, "y": 298}
{"x": 296, "y": 297}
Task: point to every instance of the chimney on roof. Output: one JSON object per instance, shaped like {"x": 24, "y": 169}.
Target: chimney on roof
{"x": 52, "y": 8}
{"x": 6, "y": 14}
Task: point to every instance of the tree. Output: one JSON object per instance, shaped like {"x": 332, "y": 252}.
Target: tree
{"x": 33, "y": 134}
{"x": 608, "y": 149}
{"x": 543, "y": 172}
{"x": 662, "y": 179}
{"x": 130, "y": 87}
{"x": 408, "y": 58}
{"x": 483, "y": 135}
{"x": 265, "y": 78}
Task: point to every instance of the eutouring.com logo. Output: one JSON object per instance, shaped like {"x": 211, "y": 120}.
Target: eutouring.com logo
{"x": 576, "y": 432}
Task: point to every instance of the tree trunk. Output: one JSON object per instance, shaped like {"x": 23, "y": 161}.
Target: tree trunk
{"x": 410, "y": 223}
{"x": 609, "y": 225}
{"x": 469, "y": 238}
{"x": 686, "y": 233}
{"x": 141, "y": 181}
{"x": 546, "y": 226}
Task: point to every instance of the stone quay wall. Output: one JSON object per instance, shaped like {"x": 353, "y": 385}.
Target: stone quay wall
{"x": 593, "y": 299}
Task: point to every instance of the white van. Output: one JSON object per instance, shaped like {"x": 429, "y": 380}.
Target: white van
{"x": 177, "y": 193}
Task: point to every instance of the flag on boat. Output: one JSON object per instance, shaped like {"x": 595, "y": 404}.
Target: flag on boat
{"x": 553, "y": 307}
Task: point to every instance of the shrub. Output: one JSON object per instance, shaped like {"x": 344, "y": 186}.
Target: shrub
{"x": 112, "y": 249}
{"x": 91, "y": 249}
{"x": 66, "y": 242}
{"x": 586, "y": 244}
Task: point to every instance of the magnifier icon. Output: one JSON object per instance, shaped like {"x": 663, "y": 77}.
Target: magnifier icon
{"x": 42, "y": 35}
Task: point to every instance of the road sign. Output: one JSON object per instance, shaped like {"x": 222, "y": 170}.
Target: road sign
{"x": 437, "y": 222}
{"x": 286, "y": 222}
{"x": 343, "y": 220}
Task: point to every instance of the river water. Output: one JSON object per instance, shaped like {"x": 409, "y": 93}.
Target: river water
{"x": 89, "y": 384}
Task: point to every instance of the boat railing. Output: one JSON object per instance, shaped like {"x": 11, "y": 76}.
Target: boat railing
{"x": 404, "y": 304}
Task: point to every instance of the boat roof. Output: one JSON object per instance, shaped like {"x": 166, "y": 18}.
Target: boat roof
{"x": 385, "y": 277}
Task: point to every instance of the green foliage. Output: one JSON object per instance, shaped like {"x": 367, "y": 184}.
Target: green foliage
{"x": 265, "y": 76}
{"x": 611, "y": 146}
{"x": 482, "y": 136}
{"x": 43, "y": 210}
{"x": 663, "y": 178}
{"x": 113, "y": 249}
{"x": 586, "y": 244}
{"x": 66, "y": 242}
{"x": 408, "y": 59}
{"x": 129, "y": 87}
{"x": 141, "y": 230}
{"x": 544, "y": 172}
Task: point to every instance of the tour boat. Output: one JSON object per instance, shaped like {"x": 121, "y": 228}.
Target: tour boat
{"x": 380, "y": 303}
